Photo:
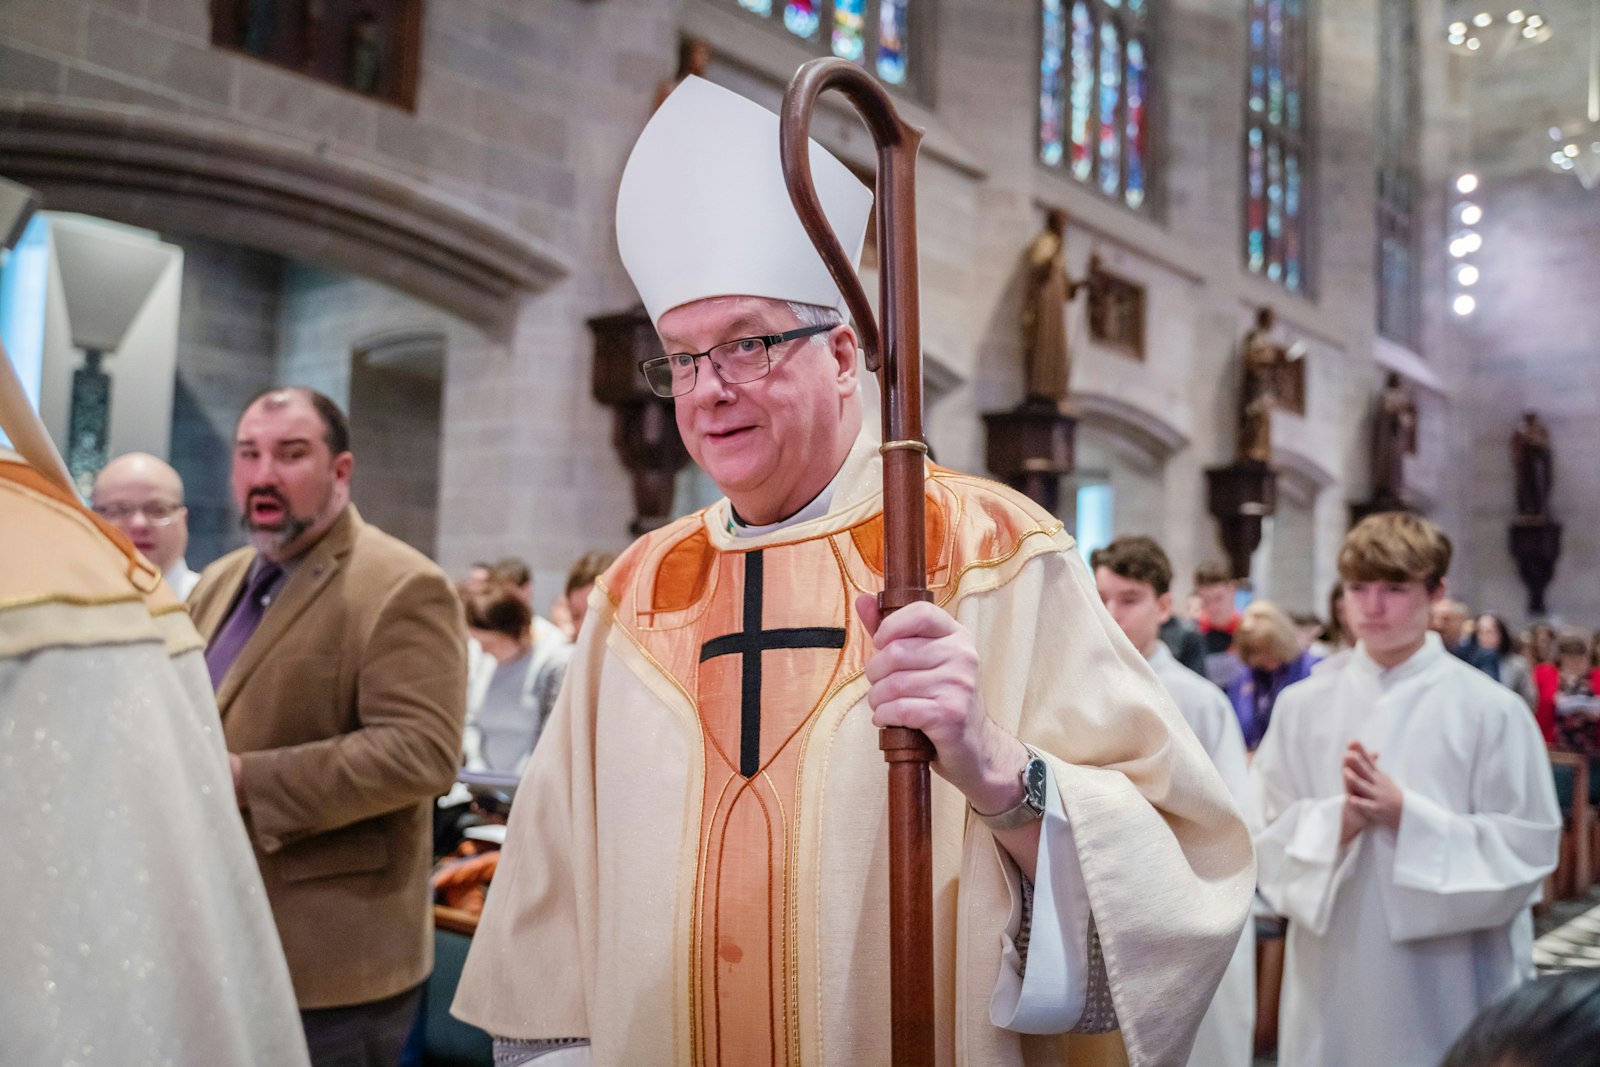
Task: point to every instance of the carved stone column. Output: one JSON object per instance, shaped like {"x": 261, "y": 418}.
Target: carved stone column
{"x": 1030, "y": 448}
{"x": 643, "y": 430}
{"x": 1240, "y": 495}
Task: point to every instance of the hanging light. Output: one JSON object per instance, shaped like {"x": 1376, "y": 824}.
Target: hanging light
{"x": 1578, "y": 143}
{"x": 1493, "y": 31}
{"x": 1464, "y": 305}
{"x": 1467, "y": 184}
{"x": 1471, "y": 214}
{"x": 1467, "y": 275}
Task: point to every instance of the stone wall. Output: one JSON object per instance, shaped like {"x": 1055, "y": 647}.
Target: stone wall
{"x": 227, "y": 352}
{"x": 526, "y": 112}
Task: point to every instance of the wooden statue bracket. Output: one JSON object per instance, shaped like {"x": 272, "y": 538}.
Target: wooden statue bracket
{"x": 1031, "y": 448}
{"x": 1240, "y": 495}
{"x": 1535, "y": 543}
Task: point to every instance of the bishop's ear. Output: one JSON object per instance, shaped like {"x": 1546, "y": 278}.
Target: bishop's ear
{"x": 845, "y": 348}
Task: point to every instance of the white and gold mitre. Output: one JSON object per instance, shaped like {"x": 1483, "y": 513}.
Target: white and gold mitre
{"x": 703, "y": 210}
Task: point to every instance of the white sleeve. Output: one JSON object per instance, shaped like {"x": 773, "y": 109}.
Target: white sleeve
{"x": 1046, "y": 997}
{"x": 1454, "y": 871}
{"x": 1300, "y": 864}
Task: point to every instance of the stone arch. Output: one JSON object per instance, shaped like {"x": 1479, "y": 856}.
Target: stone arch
{"x": 186, "y": 173}
{"x": 1143, "y": 437}
{"x": 1301, "y": 478}
{"x": 1127, "y": 447}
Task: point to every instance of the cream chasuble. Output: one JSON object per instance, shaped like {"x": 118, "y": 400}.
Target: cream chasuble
{"x": 137, "y": 927}
{"x": 695, "y": 868}
{"x": 1398, "y": 939}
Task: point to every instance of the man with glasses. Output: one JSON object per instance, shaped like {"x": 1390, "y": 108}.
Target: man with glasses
{"x": 143, "y": 497}
{"x": 696, "y": 866}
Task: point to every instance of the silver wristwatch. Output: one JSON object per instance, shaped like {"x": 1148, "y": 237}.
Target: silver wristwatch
{"x": 1030, "y": 807}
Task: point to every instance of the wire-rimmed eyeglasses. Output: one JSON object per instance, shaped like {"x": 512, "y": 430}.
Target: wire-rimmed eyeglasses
{"x": 747, "y": 359}
{"x": 156, "y": 512}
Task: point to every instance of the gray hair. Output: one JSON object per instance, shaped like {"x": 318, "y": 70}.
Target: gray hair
{"x": 816, "y": 315}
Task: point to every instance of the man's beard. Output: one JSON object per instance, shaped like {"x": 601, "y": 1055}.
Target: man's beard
{"x": 274, "y": 541}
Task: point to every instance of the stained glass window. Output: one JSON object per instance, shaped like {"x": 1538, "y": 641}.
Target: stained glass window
{"x": 875, "y": 33}
{"x": 1275, "y": 147}
{"x": 1399, "y": 123}
{"x": 1094, "y": 77}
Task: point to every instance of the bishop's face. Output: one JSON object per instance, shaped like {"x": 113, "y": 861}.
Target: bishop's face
{"x": 772, "y": 444}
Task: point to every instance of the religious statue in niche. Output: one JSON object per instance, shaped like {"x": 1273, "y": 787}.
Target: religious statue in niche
{"x": 694, "y": 58}
{"x": 1533, "y": 461}
{"x": 1264, "y": 363}
{"x": 1048, "y": 361}
{"x": 1394, "y": 436}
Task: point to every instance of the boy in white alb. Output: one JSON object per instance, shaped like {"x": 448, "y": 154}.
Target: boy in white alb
{"x": 1134, "y": 579}
{"x": 1408, "y": 818}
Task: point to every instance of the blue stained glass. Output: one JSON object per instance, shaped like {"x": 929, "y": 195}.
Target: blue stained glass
{"x": 849, "y": 23}
{"x": 1110, "y": 97}
{"x": 1052, "y": 88}
{"x": 1293, "y": 64}
{"x": 892, "y": 36}
{"x": 1274, "y": 219}
{"x": 1292, "y": 229}
{"x": 1134, "y": 126}
{"x": 1137, "y": 7}
{"x": 801, "y": 19}
{"x": 1083, "y": 81}
{"x": 760, "y": 7}
{"x": 1256, "y": 211}
{"x": 1113, "y": 3}
{"x": 1258, "y": 49}
{"x": 1275, "y": 61}
{"x": 1274, "y": 211}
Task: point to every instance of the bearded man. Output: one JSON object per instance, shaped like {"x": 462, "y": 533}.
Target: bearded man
{"x": 339, "y": 659}
{"x": 695, "y": 870}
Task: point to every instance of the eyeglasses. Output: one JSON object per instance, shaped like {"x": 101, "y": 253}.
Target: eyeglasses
{"x": 156, "y": 513}
{"x": 736, "y": 362}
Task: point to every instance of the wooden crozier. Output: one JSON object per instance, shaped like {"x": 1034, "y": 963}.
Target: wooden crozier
{"x": 895, "y": 354}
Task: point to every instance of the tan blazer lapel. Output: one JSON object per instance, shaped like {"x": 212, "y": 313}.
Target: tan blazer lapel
{"x": 310, "y": 577}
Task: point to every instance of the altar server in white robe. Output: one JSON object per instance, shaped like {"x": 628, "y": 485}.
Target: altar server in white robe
{"x": 1134, "y": 578}
{"x": 1408, "y": 820}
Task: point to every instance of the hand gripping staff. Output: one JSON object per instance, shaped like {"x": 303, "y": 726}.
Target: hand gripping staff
{"x": 895, "y": 355}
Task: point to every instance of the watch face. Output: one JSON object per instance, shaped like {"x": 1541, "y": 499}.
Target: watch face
{"x": 1033, "y": 782}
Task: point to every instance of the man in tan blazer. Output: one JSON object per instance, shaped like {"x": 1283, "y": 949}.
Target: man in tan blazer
{"x": 339, "y": 659}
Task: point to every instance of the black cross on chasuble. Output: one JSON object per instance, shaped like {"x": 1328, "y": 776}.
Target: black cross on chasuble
{"x": 750, "y": 643}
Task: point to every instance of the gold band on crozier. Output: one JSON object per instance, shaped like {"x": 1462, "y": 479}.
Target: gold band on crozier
{"x": 896, "y": 446}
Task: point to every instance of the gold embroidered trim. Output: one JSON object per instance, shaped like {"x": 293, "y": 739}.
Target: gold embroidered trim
{"x": 73, "y": 601}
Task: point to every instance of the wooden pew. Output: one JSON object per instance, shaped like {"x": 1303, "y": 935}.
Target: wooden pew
{"x": 1574, "y": 871}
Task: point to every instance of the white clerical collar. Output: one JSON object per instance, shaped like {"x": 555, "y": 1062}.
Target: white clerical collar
{"x": 1160, "y": 656}
{"x": 1420, "y": 660}
{"x": 814, "y": 510}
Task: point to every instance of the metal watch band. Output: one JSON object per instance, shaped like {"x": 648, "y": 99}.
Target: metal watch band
{"x": 1027, "y": 810}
